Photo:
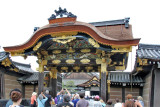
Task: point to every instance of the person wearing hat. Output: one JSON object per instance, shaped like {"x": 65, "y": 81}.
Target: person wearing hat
{"x": 96, "y": 102}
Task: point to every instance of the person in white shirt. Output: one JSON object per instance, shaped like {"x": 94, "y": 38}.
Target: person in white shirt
{"x": 118, "y": 104}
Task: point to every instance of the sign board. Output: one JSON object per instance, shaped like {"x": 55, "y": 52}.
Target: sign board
{"x": 87, "y": 93}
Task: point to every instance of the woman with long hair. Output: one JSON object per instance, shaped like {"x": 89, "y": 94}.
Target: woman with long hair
{"x": 129, "y": 103}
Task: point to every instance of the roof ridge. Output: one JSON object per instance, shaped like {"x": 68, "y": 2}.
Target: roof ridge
{"x": 112, "y": 22}
{"x": 22, "y": 64}
{"x": 149, "y": 46}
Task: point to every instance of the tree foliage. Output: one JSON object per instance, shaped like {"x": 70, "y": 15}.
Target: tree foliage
{"x": 69, "y": 85}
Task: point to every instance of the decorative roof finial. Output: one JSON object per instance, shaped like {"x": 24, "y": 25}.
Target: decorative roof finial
{"x": 126, "y": 21}
{"x": 61, "y": 13}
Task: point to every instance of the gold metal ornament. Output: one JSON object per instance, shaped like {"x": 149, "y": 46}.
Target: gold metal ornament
{"x": 56, "y": 61}
{"x": 121, "y": 49}
{"x": 103, "y": 60}
{"x": 65, "y": 68}
{"x": 88, "y": 68}
{"x": 120, "y": 68}
{"x": 93, "y": 43}
{"x": 44, "y": 52}
{"x": 114, "y": 63}
{"x": 76, "y": 68}
{"x": 95, "y": 79}
{"x": 85, "y": 61}
{"x": 15, "y": 69}
{"x": 99, "y": 68}
{"x": 19, "y": 53}
{"x": 37, "y": 46}
{"x": 108, "y": 82}
{"x": 53, "y": 72}
{"x": 64, "y": 39}
{"x": 71, "y": 50}
{"x": 41, "y": 67}
{"x": 98, "y": 51}
{"x": 44, "y": 62}
{"x": 70, "y": 61}
{"x": 85, "y": 50}
{"x": 56, "y": 51}
{"x": 103, "y": 67}
{"x": 139, "y": 69}
{"x": 98, "y": 61}
{"x": 6, "y": 62}
{"x": 55, "y": 75}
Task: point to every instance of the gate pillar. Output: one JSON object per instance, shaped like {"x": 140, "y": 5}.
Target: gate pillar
{"x": 53, "y": 74}
{"x": 103, "y": 87}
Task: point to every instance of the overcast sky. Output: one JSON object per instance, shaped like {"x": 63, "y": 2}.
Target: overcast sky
{"x": 19, "y": 17}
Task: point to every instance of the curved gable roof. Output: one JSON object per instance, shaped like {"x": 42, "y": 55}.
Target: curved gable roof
{"x": 72, "y": 27}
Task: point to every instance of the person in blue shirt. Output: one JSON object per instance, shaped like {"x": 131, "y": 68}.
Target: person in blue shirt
{"x": 66, "y": 102}
{"x": 140, "y": 99}
{"x": 41, "y": 101}
{"x": 61, "y": 94}
{"x": 75, "y": 99}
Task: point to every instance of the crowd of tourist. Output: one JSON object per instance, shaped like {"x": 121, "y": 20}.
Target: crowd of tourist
{"x": 64, "y": 99}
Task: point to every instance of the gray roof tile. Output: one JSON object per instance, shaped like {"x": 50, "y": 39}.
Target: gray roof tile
{"x": 29, "y": 78}
{"x": 124, "y": 77}
{"x": 149, "y": 51}
{"x": 3, "y": 55}
{"x": 23, "y": 67}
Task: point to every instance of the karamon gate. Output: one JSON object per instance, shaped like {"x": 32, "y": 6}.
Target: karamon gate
{"x": 67, "y": 45}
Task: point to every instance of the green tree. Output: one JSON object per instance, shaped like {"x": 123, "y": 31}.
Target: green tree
{"x": 69, "y": 86}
